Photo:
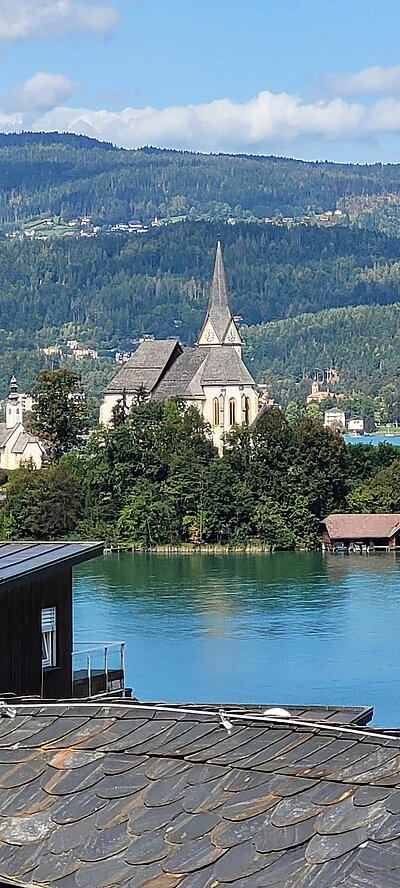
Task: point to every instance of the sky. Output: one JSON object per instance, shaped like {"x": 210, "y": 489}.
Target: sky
{"x": 314, "y": 79}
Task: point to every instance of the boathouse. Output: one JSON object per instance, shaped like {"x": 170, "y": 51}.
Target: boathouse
{"x": 36, "y": 636}
{"x": 378, "y": 531}
{"x": 195, "y": 796}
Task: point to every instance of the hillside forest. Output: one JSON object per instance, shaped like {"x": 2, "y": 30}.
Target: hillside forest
{"x": 307, "y": 296}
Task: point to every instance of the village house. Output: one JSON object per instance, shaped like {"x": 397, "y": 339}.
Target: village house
{"x": 16, "y": 444}
{"x": 210, "y": 376}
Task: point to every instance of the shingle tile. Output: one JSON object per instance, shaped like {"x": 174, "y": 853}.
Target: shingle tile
{"x": 192, "y": 856}
{"x": 323, "y": 848}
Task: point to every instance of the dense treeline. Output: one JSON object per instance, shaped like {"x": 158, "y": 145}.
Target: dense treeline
{"x": 69, "y": 175}
{"x": 156, "y": 479}
{"x": 117, "y": 286}
{"x": 363, "y": 342}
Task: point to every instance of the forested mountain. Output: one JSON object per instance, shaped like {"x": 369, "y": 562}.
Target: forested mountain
{"x": 307, "y": 295}
{"x": 69, "y": 175}
{"x": 118, "y": 286}
{"x": 363, "y": 342}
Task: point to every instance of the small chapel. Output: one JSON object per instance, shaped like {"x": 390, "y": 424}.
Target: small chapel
{"x": 210, "y": 375}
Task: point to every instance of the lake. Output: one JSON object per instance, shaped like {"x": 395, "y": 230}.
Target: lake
{"x": 372, "y": 439}
{"x": 295, "y": 628}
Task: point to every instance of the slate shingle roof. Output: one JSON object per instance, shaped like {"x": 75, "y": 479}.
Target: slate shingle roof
{"x": 360, "y": 526}
{"x": 197, "y": 367}
{"x": 118, "y": 794}
{"x": 23, "y": 440}
{"x": 225, "y": 367}
{"x": 146, "y": 366}
{"x": 178, "y": 380}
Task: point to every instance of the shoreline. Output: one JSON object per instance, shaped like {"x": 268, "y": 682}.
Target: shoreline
{"x": 202, "y": 549}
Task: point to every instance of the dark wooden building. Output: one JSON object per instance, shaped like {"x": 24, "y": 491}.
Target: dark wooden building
{"x": 36, "y": 616}
{"x": 378, "y": 531}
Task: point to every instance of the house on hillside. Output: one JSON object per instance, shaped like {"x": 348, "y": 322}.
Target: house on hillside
{"x": 376, "y": 531}
{"x": 210, "y": 376}
{"x": 17, "y": 445}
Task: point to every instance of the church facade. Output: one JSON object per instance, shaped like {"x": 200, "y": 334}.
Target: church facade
{"x": 211, "y": 375}
{"x": 18, "y": 446}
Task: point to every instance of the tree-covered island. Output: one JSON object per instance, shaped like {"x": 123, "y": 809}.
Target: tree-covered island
{"x": 154, "y": 478}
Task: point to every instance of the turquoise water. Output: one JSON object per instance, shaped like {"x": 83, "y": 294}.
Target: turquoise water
{"x": 372, "y": 439}
{"x": 299, "y": 628}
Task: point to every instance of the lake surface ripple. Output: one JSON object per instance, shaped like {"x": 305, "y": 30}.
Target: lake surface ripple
{"x": 299, "y": 628}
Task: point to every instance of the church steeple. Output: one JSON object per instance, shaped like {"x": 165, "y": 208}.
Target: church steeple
{"x": 219, "y": 328}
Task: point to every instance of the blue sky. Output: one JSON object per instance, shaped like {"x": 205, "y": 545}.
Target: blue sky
{"x": 304, "y": 78}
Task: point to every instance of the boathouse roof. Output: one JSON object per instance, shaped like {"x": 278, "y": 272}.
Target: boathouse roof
{"x": 163, "y": 795}
{"x": 22, "y": 562}
{"x": 362, "y": 526}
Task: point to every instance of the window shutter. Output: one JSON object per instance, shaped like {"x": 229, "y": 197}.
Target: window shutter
{"x": 48, "y": 619}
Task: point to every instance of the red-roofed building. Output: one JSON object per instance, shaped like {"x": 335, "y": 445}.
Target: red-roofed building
{"x": 372, "y": 530}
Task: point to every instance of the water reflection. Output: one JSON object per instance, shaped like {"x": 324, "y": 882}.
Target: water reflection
{"x": 290, "y": 627}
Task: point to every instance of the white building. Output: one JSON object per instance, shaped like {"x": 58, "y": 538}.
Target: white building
{"x": 355, "y": 426}
{"x": 335, "y": 417}
{"x": 16, "y": 444}
{"x": 211, "y": 376}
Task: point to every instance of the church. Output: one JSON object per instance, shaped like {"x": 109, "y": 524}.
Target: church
{"x": 210, "y": 375}
{"x": 17, "y": 445}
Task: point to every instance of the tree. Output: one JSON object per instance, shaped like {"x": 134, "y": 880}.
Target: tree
{"x": 42, "y": 504}
{"x": 59, "y": 410}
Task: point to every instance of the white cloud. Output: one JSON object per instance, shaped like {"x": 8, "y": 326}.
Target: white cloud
{"x": 45, "y": 19}
{"x": 268, "y": 123}
{"x": 40, "y": 93}
{"x": 222, "y": 125}
{"x": 370, "y": 81}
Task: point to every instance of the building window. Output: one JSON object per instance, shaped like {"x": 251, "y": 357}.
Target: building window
{"x": 215, "y": 411}
{"x": 49, "y": 657}
{"x": 232, "y": 411}
{"x": 247, "y": 411}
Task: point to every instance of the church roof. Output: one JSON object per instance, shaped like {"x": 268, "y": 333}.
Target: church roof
{"x": 178, "y": 381}
{"x": 5, "y": 433}
{"x": 23, "y": 440}
{"x": 219, "y": 313}
{"x": 146, "y": 366}
{"x": 223, "y": 366}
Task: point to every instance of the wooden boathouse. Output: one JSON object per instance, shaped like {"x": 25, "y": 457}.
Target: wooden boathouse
{"x": 361, "y": 530}
{"x": 36, "y": 634}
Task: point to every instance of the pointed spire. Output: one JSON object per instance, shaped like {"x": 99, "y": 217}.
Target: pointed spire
{"x": 219, "y": 318}
{"x": 13, "y": 390}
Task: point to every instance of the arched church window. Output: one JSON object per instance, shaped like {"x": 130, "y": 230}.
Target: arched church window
{"x": 215, "y": 412}
{"x": 247, "y": 411}
{"x": 232, "y": 411}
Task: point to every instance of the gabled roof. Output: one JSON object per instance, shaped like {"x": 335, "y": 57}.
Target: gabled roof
{"x": 21, "y": 562}
{"x": 179, "y": 377}
{"x": 223, "y": 366}
{"x": 160, "y": 795}
{"x": 146, "y": 366}
{"x": 218, "y": 313}
{"x": 5, "y": 433}
{"x": 23, "y": 440}
{"x": 360, "y": 526}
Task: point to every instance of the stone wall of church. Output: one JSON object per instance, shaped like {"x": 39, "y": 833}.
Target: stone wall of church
{"x": 227, "y": 406}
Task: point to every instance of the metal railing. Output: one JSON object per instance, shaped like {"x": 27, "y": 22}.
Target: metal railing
{"x": 91, "y": 668}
